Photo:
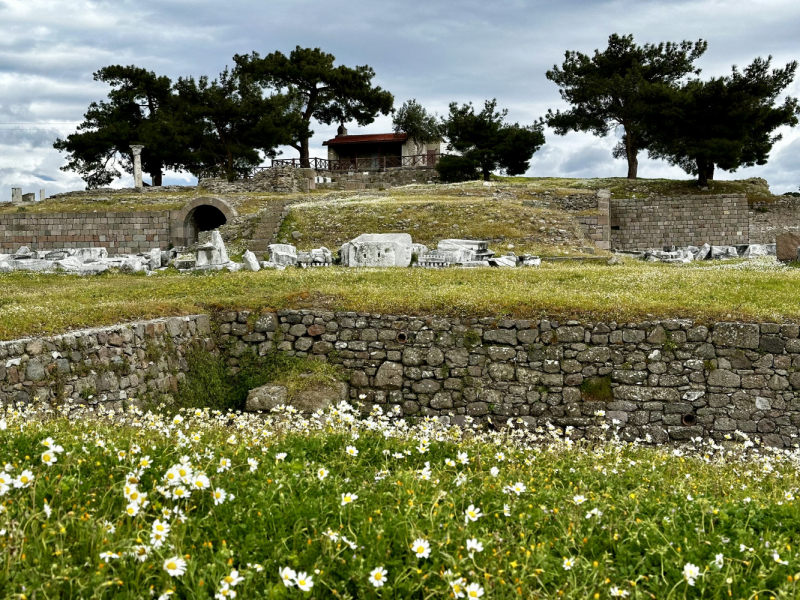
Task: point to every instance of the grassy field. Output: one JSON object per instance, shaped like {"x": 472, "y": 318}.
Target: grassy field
{"x": 36, "y": 304}
{"x": 505, "y": 222}
{"x": 522, "y": 186}
{"x": 128, "y": 202}
{"x": 207, "y": 504}
{"x": 620, "y": 187}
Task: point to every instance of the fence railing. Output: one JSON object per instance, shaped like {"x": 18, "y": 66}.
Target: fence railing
{"x": 362, "y": 164}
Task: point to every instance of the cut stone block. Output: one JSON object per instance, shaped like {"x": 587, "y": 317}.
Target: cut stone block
{"x": 213, "y": 252}
{"x": 787, "y": 245}
{"x": 154, "y": 259}
{"x": 723, "y": 252}
{"x": 758, "y": 250}
{"x": 87, "y": 255}
{"x": 282, "y": 254}
{"x": 377, "y": 250}
{"x": 250, "y": 262}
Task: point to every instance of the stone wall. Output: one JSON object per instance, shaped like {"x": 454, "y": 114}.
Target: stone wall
{"x": 377, "y": 180}
{"x": 666, "y": 381}
{"x": 278, "y": 179}
{"x": 120, "y": 232}
{"x": 721, "y": 220}
{"x": 769, "y": 219}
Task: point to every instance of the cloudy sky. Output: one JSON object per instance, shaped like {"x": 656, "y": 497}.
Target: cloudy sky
{"x": 436, "y": 51}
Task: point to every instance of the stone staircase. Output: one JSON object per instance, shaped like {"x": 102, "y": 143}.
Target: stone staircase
{"x": 266, "y": 231}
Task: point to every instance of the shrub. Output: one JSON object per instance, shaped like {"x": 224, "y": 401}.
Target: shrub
{"x": 597, "y": 389}
{"x": 453, "y": 169}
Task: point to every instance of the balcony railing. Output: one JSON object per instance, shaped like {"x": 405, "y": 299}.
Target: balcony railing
{"x": 363, "y": 164}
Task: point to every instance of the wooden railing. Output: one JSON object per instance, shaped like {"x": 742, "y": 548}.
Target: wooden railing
{"x": 362, "y": 164}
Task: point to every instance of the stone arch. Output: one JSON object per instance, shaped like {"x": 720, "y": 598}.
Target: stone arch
{"x": 200, "y": 214}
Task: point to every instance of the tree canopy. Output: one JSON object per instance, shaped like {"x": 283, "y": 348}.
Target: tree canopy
{"x": 726, "y": 122}
{"x": 318, "y": 89}
{"x": 140, "y": 110}
{"x": 421, "y": 126}
{"x": 229, "y": 122}
{"x": 488, "y": 141}
{"x": 610, "y": 89}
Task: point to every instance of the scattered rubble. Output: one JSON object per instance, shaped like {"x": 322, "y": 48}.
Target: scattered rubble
{"x": 368, "y": 250}
{"x": 671, "y": 254}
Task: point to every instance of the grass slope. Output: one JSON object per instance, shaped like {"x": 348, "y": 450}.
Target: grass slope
{"x": 36, "y": 304}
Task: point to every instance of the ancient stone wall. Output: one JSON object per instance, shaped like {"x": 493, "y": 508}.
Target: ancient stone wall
{"x": 769, "y": 219}
{"x": 376, "y": 180}
{"x": 120, "y": 232}
{"x": 721, "y": 220}
{"x": 277, "y": 179}
{"x": 666, "y": 381}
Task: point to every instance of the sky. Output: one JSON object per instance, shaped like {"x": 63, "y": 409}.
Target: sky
{"x": 436, "y": 51}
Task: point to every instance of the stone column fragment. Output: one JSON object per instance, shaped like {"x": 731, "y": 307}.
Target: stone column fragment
{"x": 137, "y": 166}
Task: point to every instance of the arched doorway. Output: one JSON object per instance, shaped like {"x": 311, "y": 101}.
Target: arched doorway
{"x": 200, "y": 214}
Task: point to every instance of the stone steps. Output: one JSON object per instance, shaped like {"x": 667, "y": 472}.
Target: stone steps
{"x": 266, "y": 231}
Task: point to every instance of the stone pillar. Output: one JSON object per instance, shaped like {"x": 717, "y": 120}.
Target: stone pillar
{"x": 16, "y": 194}
{"x": 42, "y": 195}
{"x": 137, "y": 166}
{"x": 604, "y": 218}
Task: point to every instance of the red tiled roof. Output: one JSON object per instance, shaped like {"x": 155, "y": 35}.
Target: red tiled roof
{"x": 369, "y": 139}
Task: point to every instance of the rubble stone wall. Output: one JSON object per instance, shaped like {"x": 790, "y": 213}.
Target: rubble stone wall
{"x": 277, "y": 179}
{"x": 720, "y": 220}
{"x": 669, "y": 380}
{"x": 770, "y": 219}
{"x": 120, "y": 232}
{"x": 377, "y": 180}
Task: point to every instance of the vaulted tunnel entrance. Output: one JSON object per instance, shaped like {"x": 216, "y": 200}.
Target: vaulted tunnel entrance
{"x": 207, "y": 218}
{"x": 201, "y": 214}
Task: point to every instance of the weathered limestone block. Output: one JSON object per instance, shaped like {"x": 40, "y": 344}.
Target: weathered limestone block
{"x": 737, "y": 335}
{"x": 786, "y": 246}
{"x": 389, "y": 376}
{"x": 282, "y": 254}
{"x": 212, "y": 253}
{"x": 723, "y": 378}
{"x": 154, "y": 259}
{"x": 377, "y": 250}
{"x": 266, "y": 398}
{"x": 319, "y": 397}
{"x": 501, "y": 336}
{"x": 88, "y": 255}
{"x": 250, "y": 262}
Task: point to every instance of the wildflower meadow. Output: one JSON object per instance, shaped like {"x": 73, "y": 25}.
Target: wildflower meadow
{"x": 210, "y": 504}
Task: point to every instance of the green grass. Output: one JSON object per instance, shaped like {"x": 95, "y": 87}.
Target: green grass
{"x": 245, "y": 204}
{"x": 621, "y": 517}
{"x": 430, "y": 217}
{"x": 222, "y": 382}
{"x": 755, "y": 188}
{"x": 32, "y": 304}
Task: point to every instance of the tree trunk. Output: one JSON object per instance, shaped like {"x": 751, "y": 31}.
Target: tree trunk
{"x": 304, "y": 161}
{"x": 158, "y": 178}
{"x": 710, "y": 171}
{"x": 229, "y": 167}
{"x": 486, "y": 174}
{"x": 631, "y": 154}
{"x": 702, "y": 172}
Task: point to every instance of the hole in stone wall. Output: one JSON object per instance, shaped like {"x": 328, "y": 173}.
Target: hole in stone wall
{"x": 207, "y": 218}
{"x": 689, "y": 419}
{"x": 402, "y": 337}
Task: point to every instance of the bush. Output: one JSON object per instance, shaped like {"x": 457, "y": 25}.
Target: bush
{"x": 453, "y": 169}
{"x": 211, "y": 383}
